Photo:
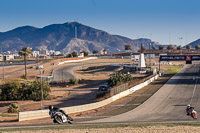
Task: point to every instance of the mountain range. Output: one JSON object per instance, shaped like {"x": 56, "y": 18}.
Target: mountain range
{"x": 194, "y": 43}
{"x": 68, "y": 37}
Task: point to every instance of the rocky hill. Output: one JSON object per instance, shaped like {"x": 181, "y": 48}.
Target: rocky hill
{"x": 61, "y": 37}
{"x": 194, "y": 43}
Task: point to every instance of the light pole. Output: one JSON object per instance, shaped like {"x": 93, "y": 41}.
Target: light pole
{"x": 41, "y": 86}
{"x": 149, "y": 57}
{"x": 42, "y": 97}
{"x": 180, "y": 38}
{"x": 3, "y": 71}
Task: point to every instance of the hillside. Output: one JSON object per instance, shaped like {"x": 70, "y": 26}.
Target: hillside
{"x": 61, "y": 37}
{"x": 194, "y": 43}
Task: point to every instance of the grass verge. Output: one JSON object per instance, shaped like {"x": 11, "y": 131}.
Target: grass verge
{"x": 7, "y": 115}
{"x": 94, "y": 126}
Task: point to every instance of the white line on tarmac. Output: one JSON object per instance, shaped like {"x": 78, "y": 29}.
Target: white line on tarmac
{"x": 194, "y": 90}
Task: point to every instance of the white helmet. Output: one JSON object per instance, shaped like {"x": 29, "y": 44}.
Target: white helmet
{"x": 188, "y": 105}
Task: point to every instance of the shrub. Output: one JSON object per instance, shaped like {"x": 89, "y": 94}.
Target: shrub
{"x": 117, "y": 78}
{"x": 33, "y": 90}
{"x": 13, "y": 108}
{"x": 11, "y": 90}
{"x": 73, "y": 81}
{"x": 30, "y": 90}
{"x": 74, "y": 54}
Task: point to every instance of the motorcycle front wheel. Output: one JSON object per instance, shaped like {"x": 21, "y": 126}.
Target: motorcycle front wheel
{"x": 58, "y": 119}
{"x": 69, "y": 118}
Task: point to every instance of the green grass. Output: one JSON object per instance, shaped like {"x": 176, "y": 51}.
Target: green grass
{"x": 133, "y": 125}
{"x": 172, "y": 69}
{"x": 7, "y": 115}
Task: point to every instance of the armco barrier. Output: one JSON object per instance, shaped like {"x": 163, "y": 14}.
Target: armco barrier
{"x": 30, "y": 115}
{"x": 68, "y": 61}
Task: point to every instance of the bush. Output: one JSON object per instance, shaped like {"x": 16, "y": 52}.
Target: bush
{"x": 31, "y": 90}
{"x": 11, "y": 90}
{"x": 13, "y": 108}
{"x": 73, "y": 81}
{"x": 118, "y": 78}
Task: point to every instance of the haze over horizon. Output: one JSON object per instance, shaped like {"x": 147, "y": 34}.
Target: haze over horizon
{"x": 162, "y": 21}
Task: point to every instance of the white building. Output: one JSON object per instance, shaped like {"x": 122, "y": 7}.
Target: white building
{"x": 57, "y": 52}
{"x": 36, "y": 53}
{"x": 81, "y": 55}
{"x": 51, "y": 52}
{"x": 6, "y": 57}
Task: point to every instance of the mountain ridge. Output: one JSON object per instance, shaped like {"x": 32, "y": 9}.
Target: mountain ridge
{"x": 59, "y": 36}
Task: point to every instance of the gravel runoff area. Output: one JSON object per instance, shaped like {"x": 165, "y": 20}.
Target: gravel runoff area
{"x": 148, "y": 129}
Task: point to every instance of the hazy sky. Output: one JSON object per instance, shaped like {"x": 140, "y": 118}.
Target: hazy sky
{"x": 165, "y": 21}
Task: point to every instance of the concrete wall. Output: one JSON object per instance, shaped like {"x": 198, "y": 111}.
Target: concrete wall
{"x": 30, "y": 115}
{"x": 89, "y": 58}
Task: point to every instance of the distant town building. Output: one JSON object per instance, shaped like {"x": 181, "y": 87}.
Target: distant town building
{"x": 81, "y": 54}
{"x": 36, "y": 53}
{"x": 57, "y": 52}
{"x": 6, "y": 57}
{"x": 135, "y": 57}
{"x": 44, "y": 52}
{"x": 51, "y": 52}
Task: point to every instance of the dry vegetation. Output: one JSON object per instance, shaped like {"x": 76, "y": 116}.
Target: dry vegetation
{"x": 149, "y": 129}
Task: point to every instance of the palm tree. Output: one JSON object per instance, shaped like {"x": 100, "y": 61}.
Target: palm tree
{"x": 179, "y": 47}
{"x": 153, "y": 47}
{"x": 188, "y": 47}
{"x": 169, "y": 47}
{"x": 127, "y": 47}
{"x": 95, "y": 51}
{"x": 197, "y": 47}
{"x": 160, "y": 47}
{"x": 26, "y": 51}
{"x": 104, "y": 51}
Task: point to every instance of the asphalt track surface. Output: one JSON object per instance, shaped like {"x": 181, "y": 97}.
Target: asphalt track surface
{"x": 169, "y": 102}
{"x": 66, "y": 72}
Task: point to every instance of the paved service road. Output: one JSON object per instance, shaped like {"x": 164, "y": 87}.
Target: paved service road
{"x": 168, "y": 103}
{"x": 66, "y": 72}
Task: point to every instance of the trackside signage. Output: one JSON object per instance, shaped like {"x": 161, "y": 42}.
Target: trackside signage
{"x": 172, "y": 58}
{"x": 179, "y": 58}
{"x": 196, "y": 57}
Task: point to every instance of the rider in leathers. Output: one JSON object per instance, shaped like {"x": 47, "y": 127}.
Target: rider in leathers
{"x": 52, "y": 108}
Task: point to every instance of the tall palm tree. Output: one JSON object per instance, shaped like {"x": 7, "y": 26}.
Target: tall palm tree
{"x": 26, "y": 51}
{"x": 160, "y": 47}
{"x": 127, "y": 47}
{"x": 197, "y": 47}
{"x": 104, "y": 51}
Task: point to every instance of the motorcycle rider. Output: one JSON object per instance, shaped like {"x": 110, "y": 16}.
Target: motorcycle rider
{"x": 188, "y": 109}
{"x": 52, "y": 108}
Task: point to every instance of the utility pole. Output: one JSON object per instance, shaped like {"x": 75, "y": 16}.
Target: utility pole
{"x": 180, "y": 38}
{"x": 3, "y": 63}
{"x": 42, "y": 97}
{"x": 149, "y": 57}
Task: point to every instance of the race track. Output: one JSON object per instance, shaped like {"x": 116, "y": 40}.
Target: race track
{"x": 168, "y": 103}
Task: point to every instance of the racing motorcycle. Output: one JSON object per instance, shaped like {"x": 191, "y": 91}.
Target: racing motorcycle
{"x": 194, "y": 115}
{"x": 190, "y": 111}
{"x": 59, "y": 117}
